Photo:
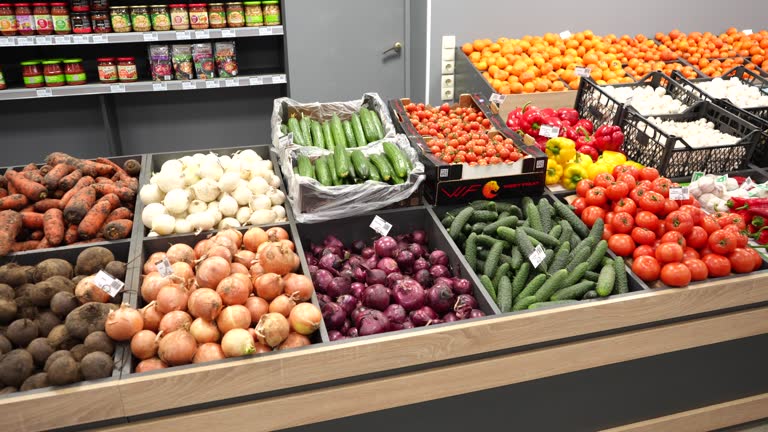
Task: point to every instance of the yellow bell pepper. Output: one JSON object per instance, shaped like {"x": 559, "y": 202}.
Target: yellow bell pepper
{"x": 583, "y": 159}
{"x": 597, "y": 168}
{"x": 634, "y": 164}
{"x": 613, "y": 157}
{"x": 554, "y": 172}
{"x": 573, "y": 174}
{"x": 562, "y": 150}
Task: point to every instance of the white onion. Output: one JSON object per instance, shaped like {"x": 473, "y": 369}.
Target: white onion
{"x": 248, "y": 155}
{"x": 168, "y": 180}
{"x": 173, "y": 165}
{"x": 242, "y": 194}
{"x": 197, "y": 206}
{"x": 211, "y": 170}
{"x": 274, "y": 181}
{"x": 258, "y": 185}
{"x": 163, "y": 224}
{"x": 229, "y": 181}
{"x": 243, "y": 214}
{"x": 206, "y": 190}
{"x": 183, "y": 226}
{"x": 279, "y": 211}
{"x": 150, "y": 211}
{"x": 153, "y": 234}
{"x": 265, "y": 164}
{"x": 176, "y": 201}
{"x": 262, "y": 216}
{"x": 202, "y": 221}
{"x": 217, "y": 216}
{"x": 187, "y": 161}
{"x": 225, "y": 162}
{"x": 228, "y": 206}
{"x": 276, "y": 196}
{"x": 260, "y": 202}
{"x": 151, "y": 193}
{"x": 229, "y": 223}
{"x": 190, "y": 175}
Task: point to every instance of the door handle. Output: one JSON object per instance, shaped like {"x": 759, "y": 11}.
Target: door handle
{"x": 396, "y": 48}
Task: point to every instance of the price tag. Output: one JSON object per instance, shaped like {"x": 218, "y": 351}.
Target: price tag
{"x": 44, "y": 92}
{"x": 549, "y": 131}
{"x": 381, "y": 226}
{"x": 444, "y": 172}
{"x": 747, "y": 32}
{"x": 44, "y": 40}
{"x": 150, "y": 37}
{"x": 232, "y": 82}
{"x": 264, "y": 31}
{"x": 108, "y": 283}
{"x": 6, "y": 41}
{"x": 80, "y": 39}
{"x": 183, "y": 35}
{"x": 99, "y": 39}
{"x": 497, "y": 98}
{"x": 227, "y": 33}
{"x": 565, "y": 35}
{"x": 278, "y": 79}
{"x": 188, "y": 85}
{"x": 159, "y": 86}
{"x": 212, "y": 84}
{"x": 256, "y": 81}
{"x": 679, "y": 193}
{"x": 748, "y": 184}
{"x": 117, "y": 88}
{"x": 164, "y": 267}
{"x": 62, "y": 40}
{"x": 697, "y": 175}
{"x": 23, "y": 41}
{"x": 202, "y": 34}
{"x": 285, "y": 140}
{"x": 538, "y": 256}
{"x": 583, "y": 72}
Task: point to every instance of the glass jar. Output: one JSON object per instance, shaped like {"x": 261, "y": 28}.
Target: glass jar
{"x": 99, "y": 5}
{"x": 271, "y": 12}
{"x": 100, "y": 22}
{"x": 42, "y": 15}
{"x": 60, "y": 16}
{"x": 32, "y": 74}
{"x": 53, "y": 73}
{"x": 126, "y": 69}
{"x": 253, "y": 14}
{"x": 7, "y": 20}
{"x": 121, "y": 20}
{"x": 25, "y": 20}
{"x": 74, "y": 71}
{"x": 235, "y": 14}
{"x": 161, "y": 19}
{"x": 179, "y": 16}
{"x": 217, "y": 17}
{"x": 107, "y": 69}
{"x": 140, "y": 19}
{"x": 81, "y": 22}
{"x": 2, "y": 80}
{"x": 80, "y": 6}
{"x": 198, "y": 16}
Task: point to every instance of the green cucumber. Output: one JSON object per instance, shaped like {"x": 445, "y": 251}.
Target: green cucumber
{"x": 507, "y": 234}
{"x": 470, "y": 251}
{"x": 505, "y": 294}
{"x": 533, "y": 286}
{"x": 373, "y": 172}
{"x": 524, "y": 243}
{"x": 565, "y": 212}
{"x": 488, "y": 285}
{"x": 360, "y": 163}
{"x": 322, "y": 170}
{"x": 283, "y": 129}
{"x": 304, "y": 167}
{"x": 357, "y": 129}
{"x": 305, "y": 130}
{"x": 511, "y": 208}
{"x": 377, "y": 123}
{"x": 340, "y": 162}
{"x": 516, "y": 259}
{"x": 382, "y": 165}
{"x": 318, "y": 139}
{"x": 339, "y": 138}
{"x": 621, "y": 276}
{"x": 295, "y": 128}
{"x": 573, "y": 292}
{"x": 606, "y": 281}
{"x": 591, "y": 276}
{"x": 478, "y": 227}
{"x": 523, "y": 303}
{"x": 458, "y": 223}
{"x": 328, "y": 136}
{"x": 581, "y": 253}
{"x": 371, "y": 134}
{"x": 348, "y": 134}
{"x": 351, "y": 167}
{"x": 332, "y": 169}
{"x": 396, "y": 158}
{"x": 552, "y": 285}
{"x": 488, "y": 241}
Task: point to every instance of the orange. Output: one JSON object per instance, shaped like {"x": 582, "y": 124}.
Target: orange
{"x": 502, "y": 62}
{"x": 493, "y": 69}
{"x": 495, "y": 47}
{"x": 496, "y": 84}
{"x": 513, "y": 79}
{"x": 478, "y": 45}
{"x": 481, "y": 65}
{"x": 475, "y": 57}
{"x": 528, "y": 87}
{"x": 527, "y": 77}
{"x": 501, "y": 75}
{"x": 505, "y": 89}
{"x": 541, "y": 86}
{"x": 596, "y": 74}
{"x": 467, "y": 48}
{"x": 516, "y": 88}
{"x": 590, "y": 58}
{"x": 558, "y": 86}
{"x": 574, "y": 84}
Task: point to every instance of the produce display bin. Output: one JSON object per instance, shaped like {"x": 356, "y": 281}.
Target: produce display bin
{"x": 673, "y": 157}
{"x": 457, "y": 183}
{"x": 498, "y": 113}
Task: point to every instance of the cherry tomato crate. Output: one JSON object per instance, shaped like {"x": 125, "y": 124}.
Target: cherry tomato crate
{"x": 758, "y": 116}
{"x": 459, "y": 183}
{"x": 673, "y": 157}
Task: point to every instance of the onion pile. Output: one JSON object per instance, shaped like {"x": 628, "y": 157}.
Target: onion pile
{"x": 396, "y": 284}
{"x": 230, "y": 295}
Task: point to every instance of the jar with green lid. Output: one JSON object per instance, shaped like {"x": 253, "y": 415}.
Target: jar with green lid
{"x": 254, "y": 17}
{"x": 161, "y": 19}
{"x": 74, "y": 71}
{"x": 235, "y": 14}
{"x": 140, "y": 19}
{"x": 271, "y": 11}
{"x": 53, "y": 73}
{"x": 32, "y": 74}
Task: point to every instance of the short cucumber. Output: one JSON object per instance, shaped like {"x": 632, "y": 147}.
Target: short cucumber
{"x": 470, "y": 251}
{"x": 561, "y": 258}
{"x": 544, "y": 238}
{"x": 533, "y": 216}
{"x": 339, "y": 139}
{"x": 523, "y": 303}
{"x": 323, "y": 172}
{"x": 606, "y": 281}
{"x": 373, "y": 172}
{"x": 591, "y": 276}
{"x": 579, "y": 227}
{"x": 362, "y": 168}
{"x": 353, "y": 174}
{"x": 503, "y": 270}
{"x": 332, "y": 169}
{"x": 596, "y": 258}
{"x": 581, "y": 253}
{"x": 516, "y": 258}
{"x": 446, "y": 221}
{"x": 318, "y": 139}
{"x": 283, "y": 129}
{"x": 507, "y": 234}
{"x": 533, "y": 286}
{"x": 488, "y": 285}
{"x": 597, "y": 230}
{"x": 357, "y": 129}
{"x": 575, "y": 275}
{"x": 484, "y": 216}
{"x": 545, "y": 214}
{"x": 505, "y": 294}
{"x": 540, "y": 305}
{"x": 524, "y": 243}
{"x": 549, "y": 255}
{"x": 566, "y": 232}
{"x": 484, "y": 205}
{"x": 348, "y": 134}
{"x": 340, "y": 161}
{"x": 552, "y": 285}
{"x": 573, "y": 292}
{"x": 556, "y": 231}
{"x": 509, "y": 221}
{"x": 328, "y": 136}
{"x": 589, "y": 295}
{"x": 491, "y": 264}
{"x": 396, "y": 158}
{"x": 295, "y": 128}
{"x": 621, "y": 276}
{"x": 518, "y": 283}
{"x": 458, "y": 223}
{"x": 305, "y": 126}
{"x": 478, "y": 227}
{"x": 304, "y": 167}
{"x": 488, "y": 241}
{"x": 382, "y": 165}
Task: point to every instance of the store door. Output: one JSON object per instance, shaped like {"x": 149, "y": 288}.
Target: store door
{"x": 339, "y": 50}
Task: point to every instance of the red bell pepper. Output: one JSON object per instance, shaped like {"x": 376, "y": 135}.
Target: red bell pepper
{"x": 609, "y": 138}
{"x": 568, "y": 115}
{"x": 583, "y": 138}
{"x": 552, "y": 121}
{"x": 586, "y": 125}
{"x": 589, "y": 150}
{"x": 570, "y": 133}
{"x": 548, "y": 112}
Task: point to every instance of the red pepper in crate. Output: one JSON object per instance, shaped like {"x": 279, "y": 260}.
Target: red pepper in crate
{"x": 568, "y": 115}
{"x": 569, "y": 132}
{"x": 552, "y": 121}
{"x": 609, "y": 138}
{"x": 590, "y": 151}
{"x": 586, "y": 125}
{"x": 584, "y": 138}
{"x": 531, "y": 120}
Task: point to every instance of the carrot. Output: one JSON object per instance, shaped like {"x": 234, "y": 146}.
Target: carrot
{"x": 34, "y": 175}
{"x": 36, "y": 235}
{"x": 30, "y": 167}
{"x": 3, "y": 192}
{"x": 44, "y": 169}
{"x": 131, "y": 183}
{"x": 10, "y": 226}
{"x": 119, "y": 171}
{"x": 125, "y": 194}
{"x": 43, "y": 244}
{"x": 119, "y": 213}
{"x": 104, "y": 180}
{"x": 12, "y": 189}
{"x": 29, "y": 208}
{"x": 93, "y": 240}
{"x": 70, "y": 180}
{"x": 91, "y": 168}
{"x": 3, "y": 181}
{"x": 33, "y": 191}
{"x": 57, "y": 194}
{"x": 31, "y": 220}
{"x": 70, "y": 236}
{"x": 79, "y": 205}
{"x": 54, "y": 176}
{"x": 92, "y": 222}
{"x": 25, "y": 246}
{"x": 13, "y": 202}
{"x": 118, "y": 229}
{"x": 48, "y": 203}
{"x": 83, "y": 182}
{"x": 53, "y": 226}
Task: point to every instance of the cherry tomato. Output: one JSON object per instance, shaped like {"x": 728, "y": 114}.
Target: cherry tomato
{"x": 622, "y": 223}
{"x": 652, "y": 202}
{"x": 604, "y": 180}
{"x": 679, "y": 221}
{"x": 621, "y": 244}
{"x": 675, "y": 275}
{"x": 596, "y": 196}
{"x": 646, "y": 268}
{"x": 669, "y": 252}
{"x": 695, "y": 212}
{"x": 741, "y": 238}
{"x": 616, "y": 191}
{"x": 709, "y": 224}
{"x": 626, "y": 170}
{"x": 592, "y": 214}
{"x": 662, "y": 185}
{"x": 697, "y": 268}
{"x": 643, "y": 236}
{"x": 643, "y": 250}
{"x": 673, "y": 237}
{"x": 669, "y": 207}
{"x": 741, "y": 261}
{"x": 648, "y": 173}
{"x": 625, "y": 205}
{"x": 583, "y": 186}
{"x": 722, "y": 242}
{"x": 689, "y": 253}
{"x": 646, "y": 219}
{"x": 717, "y": 265}
{"x": 697, "y": 238}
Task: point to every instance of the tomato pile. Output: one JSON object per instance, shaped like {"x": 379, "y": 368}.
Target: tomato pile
{"x": 460, "y": 135}
{"x": 674, "y": 241}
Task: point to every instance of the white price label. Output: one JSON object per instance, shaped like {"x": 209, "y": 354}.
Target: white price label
{"x": 278, "y": 79}
{"x": 159, "y": 86}
{"x": 212, "y": 84}
{"x": 679, "y": 193}
{"x": 63, "y": 40}
{"x": 565, "y": 35}
{"x": 285, "y": 140}
{"x": 697, "y": 175}
{"x": 231, "y": 82}
{"x": 150, "y": 37}
{"x": 183, "y": 35}
{"x": 108, "y": 283}
{"x": 498, "y": 99}
{"x": 45, "y": 92}
{"x": 747, "y": 32}
{"x": 44, "y": 40}
{"x": 583, "y": 72}
{"x": 99, "y": 39}
{"x": 256, "y": 81}
{"x": 80, "y": 39}
{"x": 6, "y": 41}
{"x": 549, "y": 131}
{"x": 748, "y": 184}
{"x": 164, "y": 267}
{"x": 537, "y": 256}
{"x": 23, "y": 41}
{"x": 265, "y": 31}
{"x": 381, "y": 226}
{"x": 444, "y": 172}
{"x": 202, "y": 34}
{"x": 188, "y": 85}
{"x": 117, "y": 88}
{"x": 227, "y": 33}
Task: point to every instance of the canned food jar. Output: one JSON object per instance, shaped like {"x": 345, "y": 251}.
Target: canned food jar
{"x": 74, "y": 71}
{"x": 217, "y": 17}
{"x": 140, "y": 19}
{"x": 100, "y": 22}
{"x": 7, "y": 20}
{"x": 121, "y": 20}
{"x": 198, "y": 16}
{"x": 81, "y": 22}
{"x": 2, "y": 80}
{"x": 254, "y": 16}
{"x": 80, "y": 5}
{"x": 271, "y": 11}
{"x": 25, "y": 20}
{"x": 53, "y": 73}
{"x": 42, "y": 16}
{"x": 235, "y": 14}
{"x": 179, "y": 16}
{"x": 161, "y": 19}
{"x": 99, "y": 5}
{"x": 32, "y": 74}
{"x": 107, "y": 69}
{"x": 126, "y": 69}
{"x": 60, "y": 16}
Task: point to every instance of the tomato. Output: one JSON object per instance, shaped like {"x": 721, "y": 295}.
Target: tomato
{"x": 689, "y": 253}
{"x": 652, "y": 202}
{"x": 604, "y": 180}
{"x": 669, "y": 252}
{"x": 709, "y": 224}
{"x": 646, "y": 219}
{"x": 648, "y": 173}
{"x": 643, "y": 250}
{"x": 645, "y": 184}
{"x": 695, "y": 212}
{"x": 734, "y": 219}
{"x": 622, "y": 223}
{"x": 616, "y": 191}
{"x": 607, "y": 232}
{"x": 637, "y": 193}
{"x": 669, "y": 207}
{"x": 697, "y": 238}
{"x": 697, "y": 268}
{"x": 625, "y": 205}
{"x": 579, "y": 204}
{"x": 628, "y": 179}
{"x": 643, "y": 236}
{"x": 608, "y": 218}
{"x": 722, "y": 242}
{"x": 741, "y": 238}
{"x": 583, "y": 186}
{"x": 592, "y": 214}
{"x": 621, "y": 244}
{"x": 620, "y": 170}
{"x": 673, "y": 237}
{"x": 723, "y": 218}
{"x": 596, "y": 196}
{"x": 741, "y": 261}
{"x": 661, "y": 230}
{"x": 662, "y": 185}
{"x": 717, "y": 265}
{"x": 675, "y": 275}
{"x": 646, "y": 268}
{"x": 757, "y": 260}
{"x": 679, "y": 221}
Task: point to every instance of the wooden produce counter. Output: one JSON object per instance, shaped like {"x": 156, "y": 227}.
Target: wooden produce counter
{"x": 334, "y": 380}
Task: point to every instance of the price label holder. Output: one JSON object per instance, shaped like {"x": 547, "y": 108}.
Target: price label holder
{"x": 108, "y": 283}
{"x": 278, "y": 79}
{"x": 202, "y": 34}
{"x": 117, "y": 88}
{"x": 188, "y": 85}
{"x": 747, "y": 32}
{"x": 497, "y": 98}
{"x": 697, "y": 175}
{"x": 99, "y": 39}
{"x": 549, "y": 131}
{"x": 265, "y": 31}
{"x": 254, "y": 81}
{"x": 231, "y": 82}
{"x": 24, "y": 41}
{"x": 583, "y": 72}
{"x": 62, "y": 40}
{"x": 164, "y": 267}
{"x": 44, "y": 40}
{"x": 538, "y": 256}
{"x": 679, "y": 193}
{"x": 80, "y": 39}
{"x": 227, "y": 33}
{"x": 209, "y": 84}
{"x": 285, "y": 140}
{"x": 150, "y": 37}
{"x": 748, "y": 184}
{"x": 183, "y": 35}
{"x": 6, "y": 41}
{"x": 380, "y": 225}
{"x": 44, "y": 92}
{"x": 159, "y": 86}
{"x": 565, "y": 35}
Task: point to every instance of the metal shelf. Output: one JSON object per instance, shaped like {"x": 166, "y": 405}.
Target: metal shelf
{"x": 143, "y": 86}
{"x": 163, "y": 36}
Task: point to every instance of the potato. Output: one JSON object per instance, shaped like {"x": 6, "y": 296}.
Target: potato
{"x": 40, "y": 348}
{"x": 53, "y": 267}
{"x": 7, "y": 292}
{"x": 55, "y": 356}
{"x": 15, "y": 367}
{"x": 36, "y": 381}
{"x": 23, "y": 289}
{"x": 96, "y": 365}
{"x": 22, "y": 331}
{"x": 8, "y": 310}
{"x": 42, "y": 292}
{"x": 93, "y": 259}
{"x": 116, "y": 269}
{"x": 8, "y": 390}
{"x": 63, "y": 303}
{"x": 60, "y": 337}
{"x": 87, "y": 291}
{"x": 5, "y": 345}
{"x": 88, "y": 318}
{"x": 46, "y": 321}
{"x": 64, "y": 370}
{"x": 13, "y": 275}
{"x": 99, "y": 341}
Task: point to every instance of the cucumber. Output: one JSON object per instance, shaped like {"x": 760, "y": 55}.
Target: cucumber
{"x": 382, "y": 165}
{"x": 579, "y": 227}
{"x": 576, "y": 274}
{"x": 488, "y": 241}
{"x": 483, "y": 255}
{"x": 369, "y": 128}
{"x": 484, "y": 205}
{"x": 561, "y": 258}
{"x": 597, "y": 255}
{"x": 492, "y": 263}
{"x": 306, "y": 134}
{"x": 396, "y": 158}
{"x": 606, "y": 281}
{"x": 318, "y": 139}
{"x": 458, "y": 223}
{"x": 591, "y": 276}
{"x": 373, "y": 172}
{"x": 323, "y": 173}
{"x": 467, "y": 229}
{"x": 524, "y": 243}
{"x": 340, "y": 162}
{"x": 484, "y": 216}
{"x": 478, "y": 227}
{"x": 328, "y": 136}
{"x": 518, "y": 283}
{"x": 540, "y": 305}
{"x": 574, "y": 241}
{"x": 503, "y": 270}
{"x": 566, "y": 233}
{"x": 589, "y": 295}
{"x": 556, "y": 231}
{"x": 351, "y": 167}
{"x": 339, "y": 139}
{"x": 524, "y": 202}
{"x": 470, "y": 251}
{"x": 332, "y": 169}
{"x": 516, "y": 258}
{"x": 446, "y": 221}
{"x": 377, "y": 123}
{"x": 295, "y": 128}
{"x": 552, "y": 285}
{"x": 544, "y": 238}
{"x": 545, "y": 213}
{"x": 488, "y": 285}
{"x": 621, "y": 276}
{"x": 505, "y": 294}
{"x": 597, "y": 230}
{"x": 549, "y": 255}
{"x": 533, "y": 216}
{"x": 533, "y": 286}
{"x": 491, "y": 228}
{"x": 582, "y": 252}
{"x": 507, "y": 233}
{"x": 397, "y": 180}
{"x": 283, "y": 129}
{"x": 348, "y": 134}
{"x": 523, "y": 304}
{"x": 357, "y": 129}
{"x": 573, "y": 292}
{"x": 304, "y": 167}
{"x": 360, "y": 163}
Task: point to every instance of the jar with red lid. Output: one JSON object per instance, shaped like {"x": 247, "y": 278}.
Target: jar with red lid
{"x": 81, "y": 22}
{"x": 74, "y": 71}
{"x": 53, "y": 73}
{"x": 126, "y": 69}
{"x": 43, "y": 21}
{"x": 32, "y": 74}
{"x": 179, "y": 16}
{"x": 100, "y": 22}
{"x": 198, "y": 16}
{"x": 107, "y": 69}
{"x": 99, "y": 5}
{"x": 60, "y": 16}
{"x": 80, "y": 5}
{"x": 25, "y": 20}
{"x": 7, "y": 20}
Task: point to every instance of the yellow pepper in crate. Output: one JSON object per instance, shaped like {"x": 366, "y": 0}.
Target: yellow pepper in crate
{"x": 583, "y": 159}
{"x": 572, "y": 174}
{"x": 634, "y": 164}
{"x": 597, "y": 168}
{"x": 612, "y": 157}
{"x": 554, "y": 172}
{"x": 562, "y": 150}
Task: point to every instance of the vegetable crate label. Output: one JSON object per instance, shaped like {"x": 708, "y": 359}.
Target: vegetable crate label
{"x": 462, "y": 191}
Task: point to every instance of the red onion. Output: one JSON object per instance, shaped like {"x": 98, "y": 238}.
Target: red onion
{"x": 393, "y": 326}
{"x": 396, "y": 314}
{"x": 375, "y": 276}
{"x": 333, "y": 241}
{"x": 409, "y": 294}
{"x": 464, "y": 305}
{"x": 324, "y": 298}
{"x": 420, "y": 264}
{"x": 329, "y": 262}
{"x": 417, "y": 250}
{"x": 373, "y": 323}
{"x": 376, "y": 297}
{"x": 358, "y": 314}
{"x": 392, "y": 278}
{"x": 347, "y": 302}
{"x": 316, "y": 249}
{"x": 333, "y": 315}
{"x": 368, "y": 252}
{"x": 332, "y": 250}
{"x": 352, "y": 332}
{"x": 358, "y": 246}
{"x": 462, "y": 286}
{"x": 419, "y": 237}
{"x": 423, "y": 316}
{"x": 439, "y": 270}
{"x": 476, "y": 313}
{"x": 450, "y": 317}
{"x": 371, "y": 262}
{"x": 405, "y": 260}
{"x": 358, "y": 273}
{"x": 321, "y": 279}
{"x": 438, "y": 257}
{"x": 385, "y": 247}
{"x": 408, "y": 324}
{"x": 347, "y": 273}
{"x": 444, "y": 280}
{"x": 423, "y": 277}
{"x": 355, "y": 260}
{"x": 339, "y": 286}
{"x": 335, "y": 335}
{"x": 441, "y": 298}
{"x": 345, "y": 327}
{"x": 311, "y": 260}
{"x": 389, "y": 265}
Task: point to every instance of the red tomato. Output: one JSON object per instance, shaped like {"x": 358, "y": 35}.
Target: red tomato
{"x": 669, "y": 207}
{"x": 662, "y": 185}
{"x": 621, "y": 244}
{"x": 604, "y": 180}
{"x": 622, "y": 223}
{"x": 757, "y": 260}
{"x": 673, "y": 237}
{"x": 592, "y": 214}
{"x": 637, "y": 193}
{"x": 697, "y": 238}
{"x": 646, "y": 219}
{"x": 607, "y": 232}
{"x": 669, "y": 252}
{"x": 697, "y": 267}
{"x": 643, "y": 250}
{"x": 734, "y": 219}
{"x": 741, "y": 261}
{"x": 709, "y": 224}
{"x": 579, "y": 204}
{"x": 583, "y": 186}
{"x": 645, "y": 184}
{"x": 646, "y": 268}
{"x": 679, "y": 221}
{"x": 722, "y": 218}
{"x": 628, "y": 179}
{"x": 625, "y": 205}
{"x": 652, "y": 202}
{"x": 648, "y": 173}
{"x": 616, "y": 191}
{"x": 695, "y": 212}
{"x": 608, "y": 218}
{"x": 643, "y": 236}
{"x": 596, "y": 196}
{"x": 722, "y": 242}
{"x": 620, "y": 170}
{"x": 675, "y": 275}
{"x": 741, "y": 238}
{"x": 717, "y": 265}
{"x": 689, "y": 253}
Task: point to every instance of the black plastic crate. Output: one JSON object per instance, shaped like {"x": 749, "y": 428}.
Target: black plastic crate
{"x": 673, "y": 157}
